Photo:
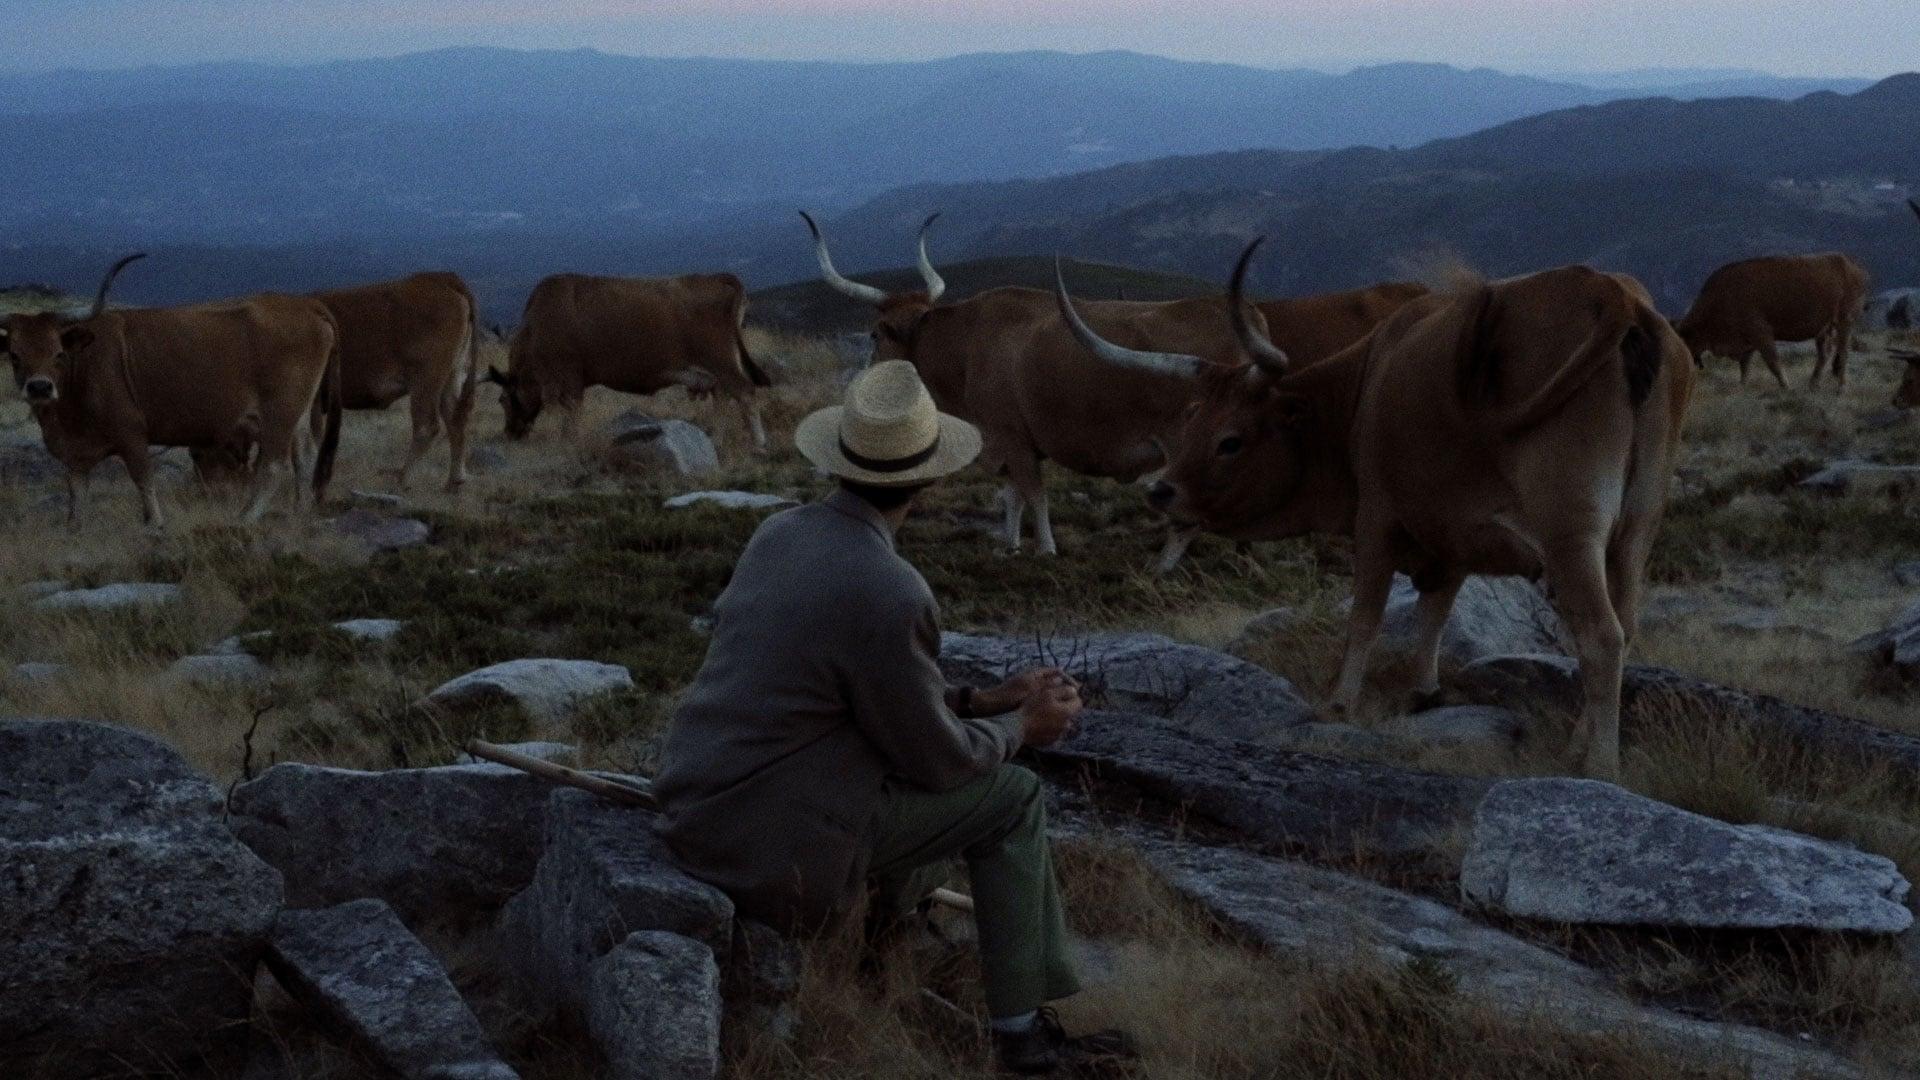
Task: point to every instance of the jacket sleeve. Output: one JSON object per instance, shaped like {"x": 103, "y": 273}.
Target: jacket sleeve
{"x": 899, "y": 701}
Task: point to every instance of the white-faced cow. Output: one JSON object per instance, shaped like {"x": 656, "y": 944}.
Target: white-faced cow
{"x": 1747, "y": 306}
{"x": 634, "y": 335}
{"x": 222, "y": 377}
{"x": 1006, "y": 361}
{"x": 1526, "y": 426}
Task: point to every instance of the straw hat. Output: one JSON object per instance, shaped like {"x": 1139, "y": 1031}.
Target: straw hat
{"x": 888, "y": 434}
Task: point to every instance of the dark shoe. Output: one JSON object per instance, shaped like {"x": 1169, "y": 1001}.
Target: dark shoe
{"x": 1045, "y": 1047}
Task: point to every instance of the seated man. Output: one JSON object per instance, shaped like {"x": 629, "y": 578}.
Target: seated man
{"x": 820, "y": 748}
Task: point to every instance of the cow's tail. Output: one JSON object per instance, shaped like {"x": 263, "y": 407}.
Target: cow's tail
{"x": 1618, "y": 337}
{"x": 463, "y": 406}
{"x": 331, "y": 399}
{"x": 755, "y": 373}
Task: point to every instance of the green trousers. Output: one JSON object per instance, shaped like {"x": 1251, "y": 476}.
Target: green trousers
{"x": 998, "y": 824}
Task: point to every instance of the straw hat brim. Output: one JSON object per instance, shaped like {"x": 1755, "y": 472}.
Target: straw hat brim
{"x": 818, "y": 438}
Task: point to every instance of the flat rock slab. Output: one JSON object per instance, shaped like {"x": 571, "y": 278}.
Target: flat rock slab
{"x": 1849, "y": 473}
{"x": 1898, "y": 646}
{"x": 1294, "y": 908}
{"x": 370, "y": 630}
{"x": 1330, "y": 807}
{"x": 36, "y": 672}
{"x": 1205, "y": 691}
{"x": 131, "y": 920}
{"x": 653, "y": 1008}
{"x": 1585, "y": 852}
{"x": 547, "y": 690}
{"x": 1461, "y": 725}
{"x": 603, "y": 876}
{"x": 128, "y": 596}
{"x": 359, "y": 965}
{"x": 1492, "y": 615}
{"x": 730, "y": 500}
{"x": 427, "y": 841}
{"x": 380, "y": 532}
{"x": 557, "y": 752}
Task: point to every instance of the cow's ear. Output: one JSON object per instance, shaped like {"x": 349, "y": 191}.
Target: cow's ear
{"x": 494, "y": 376}
{"x": 75, "y": 338}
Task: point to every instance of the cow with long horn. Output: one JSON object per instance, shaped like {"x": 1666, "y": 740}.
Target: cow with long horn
{"x": 216, "y": 377}
{"x": 1526, "y": 426}
{"x": 1007, "y": 360}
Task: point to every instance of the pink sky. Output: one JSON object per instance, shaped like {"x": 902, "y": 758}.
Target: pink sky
{"x": 1867, "y": 37}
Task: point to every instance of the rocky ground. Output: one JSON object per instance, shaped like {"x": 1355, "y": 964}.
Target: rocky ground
{"x": 274, "y": 863}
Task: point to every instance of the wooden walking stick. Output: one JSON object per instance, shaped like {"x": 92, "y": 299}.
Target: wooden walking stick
{"x": 624, "y": 793}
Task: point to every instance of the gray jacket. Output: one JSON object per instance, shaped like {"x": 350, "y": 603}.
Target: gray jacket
{"x": 821, "y": 682}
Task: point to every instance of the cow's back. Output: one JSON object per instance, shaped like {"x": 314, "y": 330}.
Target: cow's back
{"x": 631, "y": 334}
{"x": 1797, "y": 297}
{"x": 194, "y": 370}
{"x": 1310, "y": 329}
{"x": 391, "y": 330}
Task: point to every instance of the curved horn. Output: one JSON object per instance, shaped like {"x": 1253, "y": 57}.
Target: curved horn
{"x": 866, "y": 294}
{"x": 936, "y": 287}
{"x": 1271, "y": 358}
{"x": 1186, "y": 367}
{"x": 106, "y": 284}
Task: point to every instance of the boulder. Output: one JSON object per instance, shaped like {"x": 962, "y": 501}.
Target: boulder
{"x": 1907, "y": 574}
{"x": 1585, "y": 852}
{"x": 548, "y": 691}
{"x": 129, "y": 596}
{"x": 1267, "y": 627}
{"x": 1898, "y": 646}
{"x": 653, "y": 1008}
{"x": 486, "y": 459}
{"x": 427, "y": 841}
{"x": 1326, "y": 806}
{"x": 603, "y": 876}
{"x": 358, "y": 965}
{"x": 379, "y": 532}
{"x": 40, "y": 590}
{"x": 237, "y": 668}
{"x": 1671, "y": 608}
{"x": 1491, "y": 616}
{"x": 1301, "y": 910}
{"x": 1758, "y": 622}
{"x": 1205, "y": 691}
{"x": 1461, "y": 726}
{"x": 731, "y": 500}
{"x": 644, "y": 442}
{"x": 35, "y": 672}
{"x": 383, "y": 499}
{"x": 236, "y": 645}
{"x": 131, "y": 920}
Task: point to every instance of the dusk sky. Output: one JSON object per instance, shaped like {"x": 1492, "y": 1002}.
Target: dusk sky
{"x": 1799, "y": 37}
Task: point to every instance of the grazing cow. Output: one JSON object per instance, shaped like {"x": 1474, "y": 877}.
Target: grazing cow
{"x": 219, "y": 377}
{"x": 1310, "y": 329}
{"x": 1006, "y": 361}
{"x": 1747, "y": 306}
{"x": 417, "y": 338}
{"x": 635, "y": 335}
{"x": 1526, "y": 426}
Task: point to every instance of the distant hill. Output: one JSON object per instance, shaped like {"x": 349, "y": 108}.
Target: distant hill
{"x": 494, "y": 142}
{"x": 813, "y": 307}
{"x": 1661, "y": 188}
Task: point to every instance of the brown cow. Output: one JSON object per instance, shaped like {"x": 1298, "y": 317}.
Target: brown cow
{"x": 222, "y": 377}
{"x": 1006, "y": 361}
{"x": 635, "y": 335}
{"x": 1526, "y": 426}
{"x": 1747, "y": 306}
{"x": 417, "y": 338}
{"x": 1907, "y": 395}
{"x": 1310, "y": 329}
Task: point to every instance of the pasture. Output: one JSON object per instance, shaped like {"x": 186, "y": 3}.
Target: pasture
{"x": 557, "y": 549}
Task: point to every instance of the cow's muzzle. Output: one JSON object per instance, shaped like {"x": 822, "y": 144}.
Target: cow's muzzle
{"x": 40, "y": 390}
{"x": 1161, "y": 496}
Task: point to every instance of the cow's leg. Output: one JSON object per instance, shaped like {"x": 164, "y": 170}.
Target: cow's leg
{"x": 1043, "y": 525}
{"x": 1015, "y": 506}
{"x": 79, "y": 486}
{"x": 1372, "y": 584}
{"x": 1746, "y": 362}
{"x": 1577, "y": 571}
{"x": 1430, "y": 622}
{"x": 140, "y": 469}
{"x": 1822, "y": 342}
{"x": 424, "y": 407}
{"x": 456, "y": 425}
{"x": 276, "y": 445}
{"x": 1770, "y": 353}
{"x": 1178, "y": 541}
{"x": 570, "y": 419}
{"x": 1026, "y": 474}
{"x": 1843, "y": 344}
{"x": 756, "y": 428}
{"x": 297, "y": 464}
